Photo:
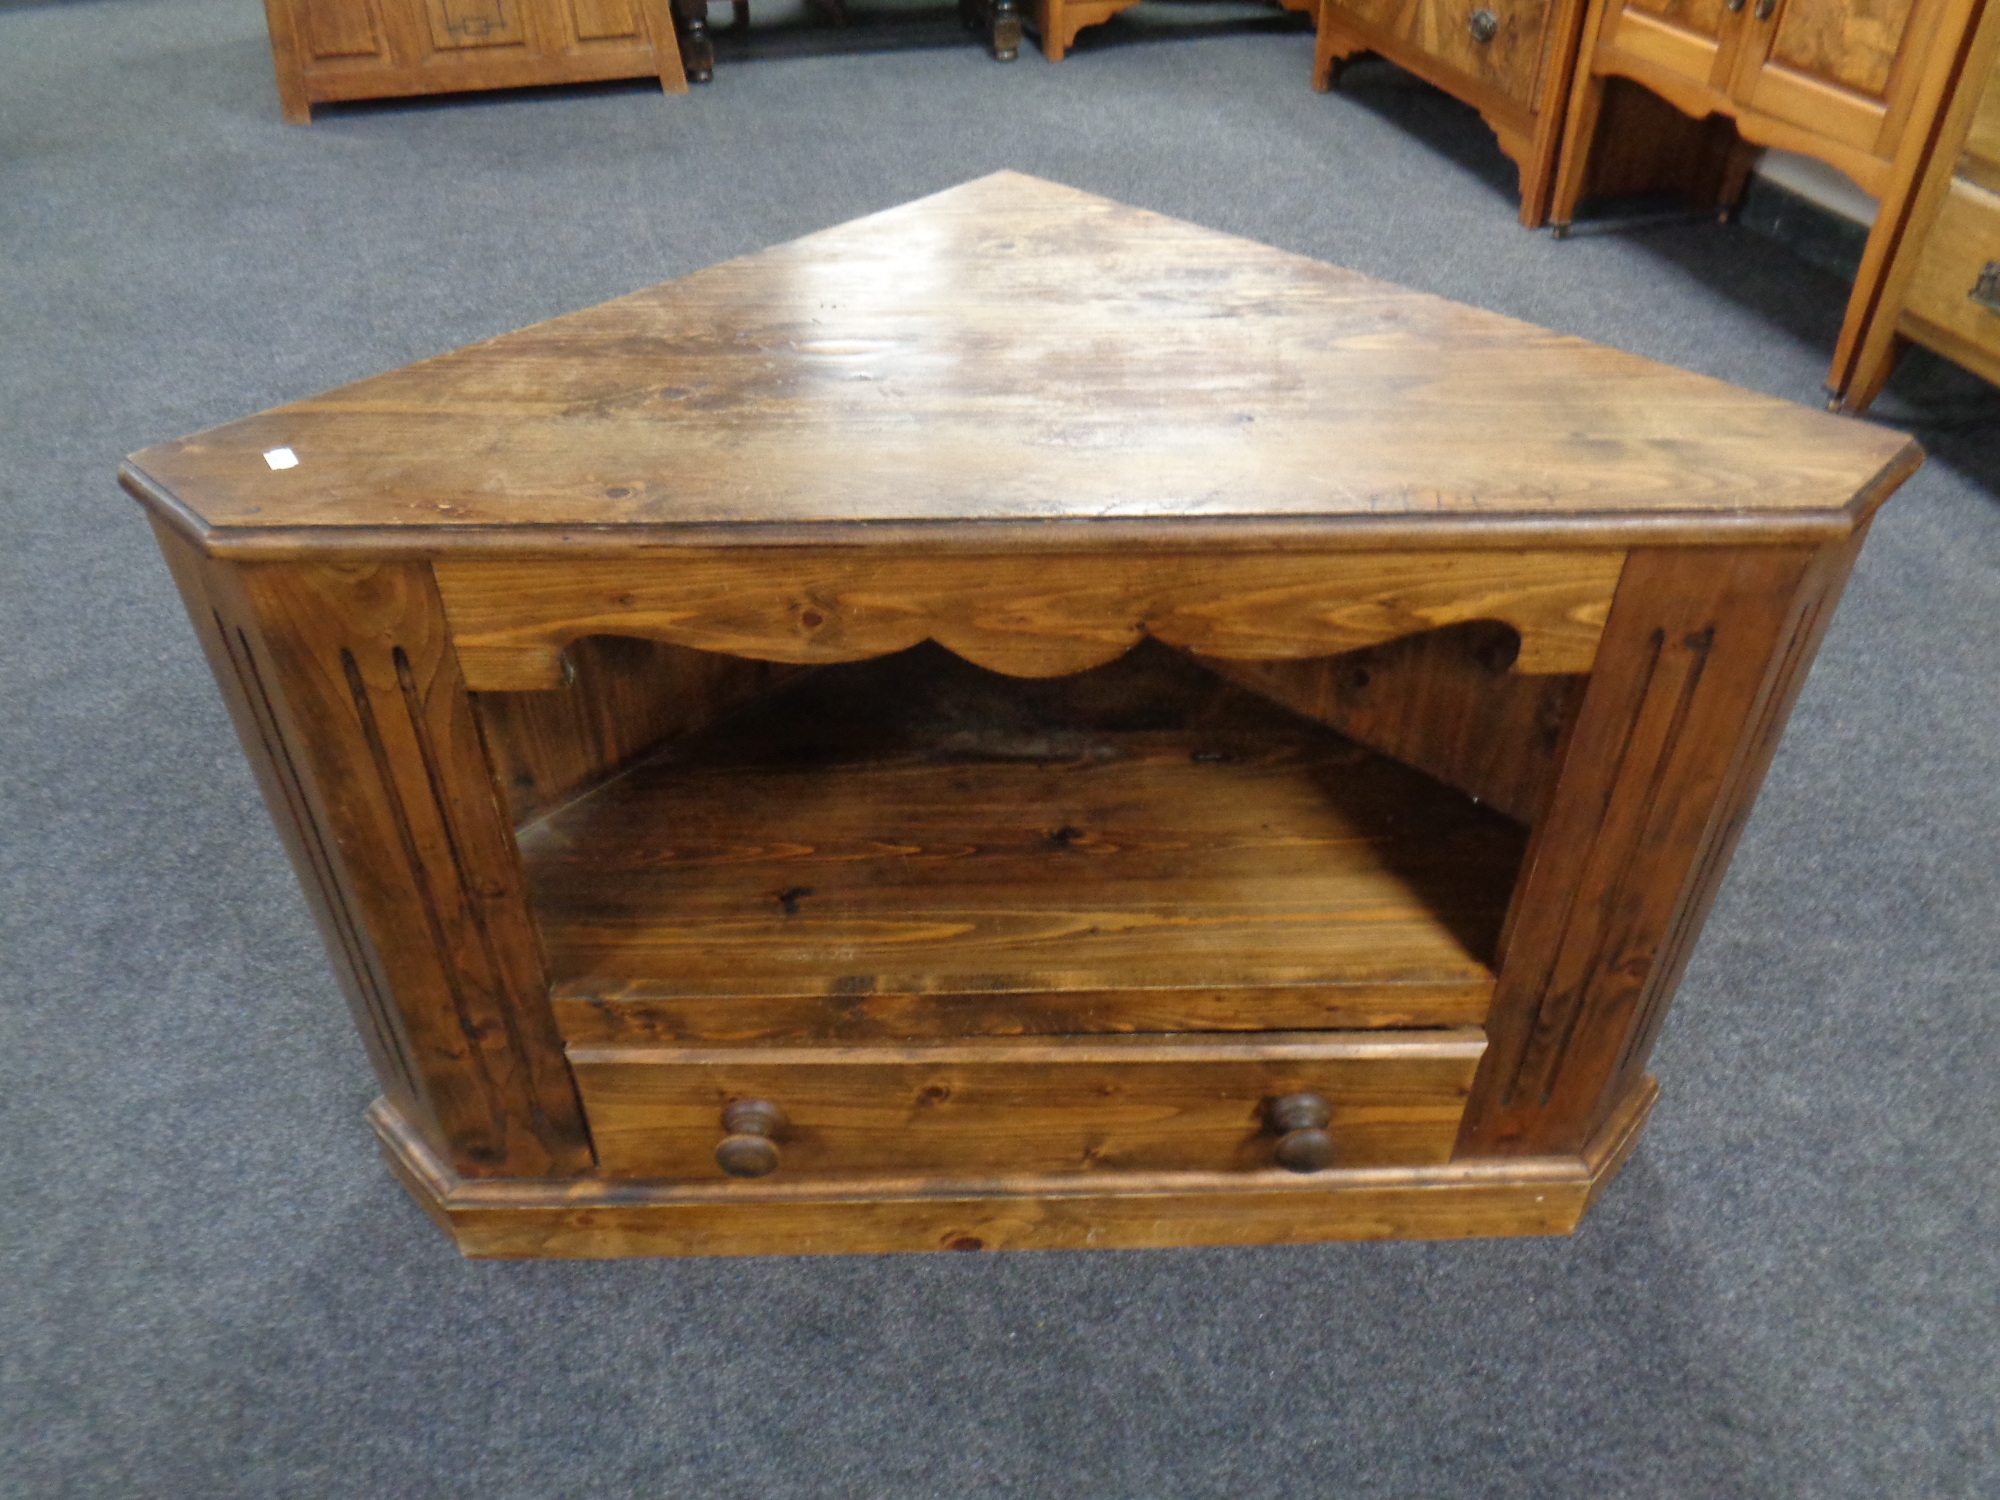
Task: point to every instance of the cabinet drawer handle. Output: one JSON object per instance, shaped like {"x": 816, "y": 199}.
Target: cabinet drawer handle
{"x": 1765, "y": 9}
{"x": 748, "y": 1149}
{"x": 1986, "y": 290}
{"x": 1733, "y": 5}
{"x": 1300, "y": 1121}
{"x": 1484, "y": 26}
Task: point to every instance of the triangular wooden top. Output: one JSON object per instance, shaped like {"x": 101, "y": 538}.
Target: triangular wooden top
{"x": 1012, "y": 350}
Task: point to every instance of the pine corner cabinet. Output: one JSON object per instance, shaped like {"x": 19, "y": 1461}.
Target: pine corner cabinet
{"x": 806, "y": 758}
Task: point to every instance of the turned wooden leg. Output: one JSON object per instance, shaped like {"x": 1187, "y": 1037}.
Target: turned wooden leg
{"x": 697, "y": 46}
{"x": 1734, "y": 184}
{"x": 1005, "y": 33}
{"x": 1001, "y": 20}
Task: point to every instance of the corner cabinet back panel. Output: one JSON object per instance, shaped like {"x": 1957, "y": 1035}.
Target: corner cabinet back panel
{"x": 985, "y": 1109}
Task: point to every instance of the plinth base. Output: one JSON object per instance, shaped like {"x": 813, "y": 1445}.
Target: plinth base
{"x": 594, "y": 1219}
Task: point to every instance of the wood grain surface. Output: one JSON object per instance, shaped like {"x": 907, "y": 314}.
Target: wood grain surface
{"x": 1982, "y": 129}
{"x": 1851, "y": 43}
{"x": 1446, "y": 702}
{"x": 914, "y": 827}
{"x": 694, "y": 690}
{"x": 620, "y": 699}
{"x": 1061, "y": 1104}
{"x": 1012, "y": 350}
{"x": 1704, "y": 656}
{"x": 348, "y": 700}
{"x": 1027, "y": 616}
{"x": 644, "y": 1013}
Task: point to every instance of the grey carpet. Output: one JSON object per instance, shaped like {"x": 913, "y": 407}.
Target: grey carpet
{"x": 211, "y": 1288}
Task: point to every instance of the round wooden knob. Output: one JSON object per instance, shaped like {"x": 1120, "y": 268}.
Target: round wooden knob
{"x": 748, "y": 1149}
{"x": 1483, "y": 25}
{"x": 1300, "y": 1121}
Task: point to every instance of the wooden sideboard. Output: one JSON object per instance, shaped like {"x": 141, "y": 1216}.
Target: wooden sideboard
{"x": 1861, "y": 86}
{"x": 1846, "y": 81}
{"x": 804, "y": 758}
{"x": 1941, "y": 287}
{"x": 328, "y": 50}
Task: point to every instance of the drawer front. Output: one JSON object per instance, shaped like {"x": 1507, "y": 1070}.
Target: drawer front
{"x": 974, "y": 1109}
{"x": 1957, "y": 285}
{"x": 1498, "y": 42}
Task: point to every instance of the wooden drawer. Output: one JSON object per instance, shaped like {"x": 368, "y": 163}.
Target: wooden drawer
{"x": 1508, "y": 59}
{"x": 980, "y": 1109}
{"x": 1961, "y": 245}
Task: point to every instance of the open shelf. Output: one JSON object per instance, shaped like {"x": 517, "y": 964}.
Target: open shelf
{"x": 913, "y": 846}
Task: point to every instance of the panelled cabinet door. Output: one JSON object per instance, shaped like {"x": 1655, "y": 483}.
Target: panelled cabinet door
{"x": 341, "y": 32}
{"x": 461, "y": 24}
{"x": 1844, "y": 69}
{"x": 1696, "y": 39}
{"x": 605, "y": 21}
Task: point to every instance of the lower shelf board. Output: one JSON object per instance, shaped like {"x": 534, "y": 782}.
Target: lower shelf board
{"x": 914, "y": 847}
{"x": 595, "y": 1219}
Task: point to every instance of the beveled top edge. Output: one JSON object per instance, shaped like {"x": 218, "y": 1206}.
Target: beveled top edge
{"x": 1503, "y": 484}
{"x": 1578, "y": 532}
